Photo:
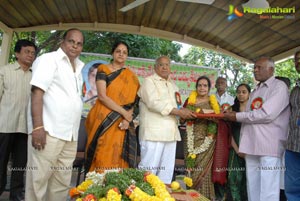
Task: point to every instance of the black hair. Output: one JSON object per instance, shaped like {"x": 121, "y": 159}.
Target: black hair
{"x": 72, "y": 29}
{"x": 24, "y": 43}
{"x": 117, "y": 44}
{"x": 236, "y": 105}
{"x": 203, "y": 77}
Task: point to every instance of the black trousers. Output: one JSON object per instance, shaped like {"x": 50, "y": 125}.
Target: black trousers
{"x": 13, "y": 146}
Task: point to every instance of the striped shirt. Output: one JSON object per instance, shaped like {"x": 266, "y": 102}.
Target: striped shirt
{"x": 265, "y": 122}
{"x": 293, "y": 142}
{"x": 14, "y": 98}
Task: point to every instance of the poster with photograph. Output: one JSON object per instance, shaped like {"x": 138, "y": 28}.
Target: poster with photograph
{"x": 89, "y": 90}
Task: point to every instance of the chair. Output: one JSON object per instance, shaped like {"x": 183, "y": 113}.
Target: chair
{"x": 80, "y": 156}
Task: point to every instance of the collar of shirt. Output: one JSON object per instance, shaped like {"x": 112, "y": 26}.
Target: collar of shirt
{"x": 266, "y": 83}
{"x": 16, "y": 66}
{"x": 157, "y": 77}
{"x": 62, "y": 55}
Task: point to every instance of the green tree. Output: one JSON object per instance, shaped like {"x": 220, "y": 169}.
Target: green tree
{"x": 140, "y": 46}
{"x": 102, "y": 42}
{"x": 235, "y": 71}
{"x": 287, "y": 69}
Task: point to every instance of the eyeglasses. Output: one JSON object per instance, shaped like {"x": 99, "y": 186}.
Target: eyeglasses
{"x": 73, "y": 43}
{"x": 163, "y": 64}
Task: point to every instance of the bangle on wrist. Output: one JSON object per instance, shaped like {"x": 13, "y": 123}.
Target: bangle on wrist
{"x": 37, "y": 128}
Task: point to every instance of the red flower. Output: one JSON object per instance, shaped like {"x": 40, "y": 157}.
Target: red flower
{"x": 89, "y": 197}
{"x": 194, "y": 194}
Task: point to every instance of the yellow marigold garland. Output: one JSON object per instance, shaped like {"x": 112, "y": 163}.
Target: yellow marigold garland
{"x": 112, "y": 195}
{"x": 190, "y": 130}
{"x": 214, "y": 103}
{"x": 192, "y": 98}
{"x": 159, "y": 187}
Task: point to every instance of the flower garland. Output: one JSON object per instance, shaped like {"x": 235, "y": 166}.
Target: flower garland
{"x": 190, "y": 129}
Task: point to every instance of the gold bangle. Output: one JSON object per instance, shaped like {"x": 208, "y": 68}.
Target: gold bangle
{"x": 37, "y": 128}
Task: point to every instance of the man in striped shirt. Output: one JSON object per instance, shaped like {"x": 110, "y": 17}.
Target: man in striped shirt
{"x": 264, "y": 132}
{"x": 14, "y": 97}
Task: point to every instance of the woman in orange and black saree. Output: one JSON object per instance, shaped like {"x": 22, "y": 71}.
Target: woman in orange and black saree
{"x": 108, "y": 121}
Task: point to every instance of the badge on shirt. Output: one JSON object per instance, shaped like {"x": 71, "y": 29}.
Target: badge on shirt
{"x": 225, "y": 106}
{"x": 257, "y": 103}
{"x": 178, "y": 99}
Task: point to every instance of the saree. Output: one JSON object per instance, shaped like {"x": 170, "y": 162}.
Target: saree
{"x": 236, "y": 186}
{"x": 105, "y": 139}
{"x": 202, "y": 172}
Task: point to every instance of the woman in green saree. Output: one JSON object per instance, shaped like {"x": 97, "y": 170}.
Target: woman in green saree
{"x": 236, "y": 183}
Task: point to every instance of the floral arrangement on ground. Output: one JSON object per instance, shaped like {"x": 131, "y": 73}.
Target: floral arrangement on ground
{"x": 125, "y": 184}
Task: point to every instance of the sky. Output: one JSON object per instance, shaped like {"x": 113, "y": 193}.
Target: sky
{"x": 184, "y": 48}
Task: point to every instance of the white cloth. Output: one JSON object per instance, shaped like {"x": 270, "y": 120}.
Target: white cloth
{"x": 49, "y": 176}
{"x": 159, "y": 158}
{"x": 53, "y": 73}
{"x": 157, "y": 101}
{"x": 263, "y": 177}
{"x": 225, "y": 100}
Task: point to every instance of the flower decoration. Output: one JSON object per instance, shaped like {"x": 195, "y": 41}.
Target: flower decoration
{"x": 192, "y": 98}
{"x": 211, "y": 130}
{"x": 214, "y": 103}
{"x": 114, "y": 195}
{"x": 129, "y": 184}
{"x": 188, "y": 181}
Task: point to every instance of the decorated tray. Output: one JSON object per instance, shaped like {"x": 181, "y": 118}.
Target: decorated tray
{"x": 209, "y": 115}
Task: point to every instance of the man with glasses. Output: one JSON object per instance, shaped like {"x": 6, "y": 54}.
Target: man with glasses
{"x": 158, "y": 131}
{"x": 14, "y": 97}
{"x": 292, "y": 154}
{"x": 55, "y": 117}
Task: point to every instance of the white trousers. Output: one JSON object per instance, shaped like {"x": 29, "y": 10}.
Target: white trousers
{"x": 263, "y": 177}
{"x": 51, "y": 170}
{"x": 159, "y": 158}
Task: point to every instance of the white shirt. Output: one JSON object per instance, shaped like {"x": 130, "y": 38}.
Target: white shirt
{"x": 156, "y": 103}
{"x": 62, "y": 106}
{"x": 225, "y": 100}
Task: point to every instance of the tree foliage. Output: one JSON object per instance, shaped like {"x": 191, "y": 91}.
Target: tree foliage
{"x": 234, "y": 70}
{"x": 102, "y": 42}
{"x": 140, "y": 46}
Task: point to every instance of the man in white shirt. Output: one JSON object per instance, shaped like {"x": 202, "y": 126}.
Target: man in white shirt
{"x": 56, "y": 110}
{"x": 158, "y": 132}
{"x": 225, "y": 100}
